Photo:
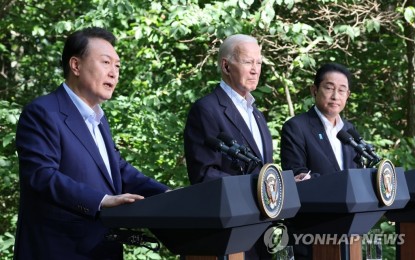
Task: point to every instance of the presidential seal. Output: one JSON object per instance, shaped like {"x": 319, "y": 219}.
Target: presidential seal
{"x": 386, "y": 183}
{"x": 270, "y": 190}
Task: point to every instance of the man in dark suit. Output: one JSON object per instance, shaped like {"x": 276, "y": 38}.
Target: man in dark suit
{"x": 308, "y": 140}
{"x": 228, "y": 109}
{"x": 309, "y": 143}
{"x": 70, "y": 167}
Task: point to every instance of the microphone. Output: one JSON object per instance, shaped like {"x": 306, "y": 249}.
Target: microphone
{"x": 243, "y": 149}
{"x": 346, "y": 138}
{"x": 369, "y": 148}
{"x": 220, "y": 146}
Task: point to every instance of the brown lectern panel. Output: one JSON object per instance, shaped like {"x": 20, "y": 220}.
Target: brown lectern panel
{"x": 407, "y": 249}
{"x": 236, "y": 256}
{"x": 356, "y": 249}
{"x": 326, "y": 252}
{"x": 334, "y": 251}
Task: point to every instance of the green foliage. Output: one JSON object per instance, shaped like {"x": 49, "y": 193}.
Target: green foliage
{"x": 168, "y": 51}
{"x": 9, "y": 113}
{"x": 409, "y": 14}
{"x": 383, "y": 226}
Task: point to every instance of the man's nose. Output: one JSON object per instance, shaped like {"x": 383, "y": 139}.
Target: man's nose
{"x": 255, "y": 68}
{"x": 113, "y": 73}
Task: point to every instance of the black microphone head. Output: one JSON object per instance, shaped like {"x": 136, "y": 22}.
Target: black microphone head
{"x": 227, "y": 139}
{"x": 368, "y": 147}
{"x": 214, "y": 143}
{"x": 354, "y": 134}
{"x": 344, "y": 137}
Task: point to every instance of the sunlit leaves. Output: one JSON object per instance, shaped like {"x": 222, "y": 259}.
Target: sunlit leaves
{"x": 409, "y": 14}
{"x": 63, "y": 26}
{"x": 350, "y": 31}
{"x": 372, "y": 25}
{"x": 288, "y": 3}
{"x": 245, "y": 4}
{"x": 267, "y": 15}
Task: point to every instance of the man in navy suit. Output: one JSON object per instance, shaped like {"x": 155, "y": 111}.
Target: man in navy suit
{"x": 308, "y": 140}
{"x": 229, "y": 109}
{"x": 70, "y": 167}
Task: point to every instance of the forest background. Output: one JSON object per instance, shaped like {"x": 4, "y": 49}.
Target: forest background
{"x": 168, "y": 50}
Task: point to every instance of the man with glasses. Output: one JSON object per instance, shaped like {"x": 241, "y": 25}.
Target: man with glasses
{"x": 309, "y": 146}
{"x": 308, "y": 141}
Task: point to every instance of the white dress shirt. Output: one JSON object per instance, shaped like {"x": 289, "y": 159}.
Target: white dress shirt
{"x": 245, "y": 108}
{"x": 331, "y": 131}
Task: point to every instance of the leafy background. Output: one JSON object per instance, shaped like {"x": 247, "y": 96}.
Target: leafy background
{"x": 168, "y": 51}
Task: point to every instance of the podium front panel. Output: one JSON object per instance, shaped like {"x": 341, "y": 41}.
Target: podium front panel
{"x": 218, "y": 217}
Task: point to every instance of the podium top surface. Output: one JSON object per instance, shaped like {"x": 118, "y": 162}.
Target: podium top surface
{"x": 223, "y": 203}
{"x": 350, "y": 191}
{"x": 410, "y": 179}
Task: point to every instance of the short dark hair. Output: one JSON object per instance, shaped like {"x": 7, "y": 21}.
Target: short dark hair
{"x": 77, "y": 44}
{"x": 332, "y": 67}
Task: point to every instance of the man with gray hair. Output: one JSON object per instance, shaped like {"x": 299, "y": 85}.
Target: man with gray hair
{"x": 229, "y": 109}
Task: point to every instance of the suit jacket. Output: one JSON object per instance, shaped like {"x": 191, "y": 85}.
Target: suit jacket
{"x": 208, "y": 117}
{"x": 305, "y": 146}
{"x": 63, "y": 179}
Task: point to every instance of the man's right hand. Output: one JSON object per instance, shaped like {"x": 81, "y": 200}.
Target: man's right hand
{"x": 112, "y": 201}
{"x": 302, "y": 177}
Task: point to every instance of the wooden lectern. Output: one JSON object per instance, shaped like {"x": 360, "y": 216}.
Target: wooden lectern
{"x": 209, "y": 220}
{"x": 343, "y": 204}
{"x": 405, "y": 221}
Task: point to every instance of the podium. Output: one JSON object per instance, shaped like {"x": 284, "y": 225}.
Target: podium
{"x": 405, "y": 221}
{"x": 216, "y": 218}
{"x": 342, "y": 204}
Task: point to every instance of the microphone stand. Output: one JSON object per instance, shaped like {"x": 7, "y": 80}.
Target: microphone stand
{"x": 372, "y": 163}
{"x": 132, "y": 237}
{"x": 251, "y": 165}
{"x": 359, "y": 161}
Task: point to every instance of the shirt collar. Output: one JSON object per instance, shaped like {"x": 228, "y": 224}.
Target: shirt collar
{"x": 248, "y": 100}
{"x": 327, "y": 125}
{"x": 93, "y": 115}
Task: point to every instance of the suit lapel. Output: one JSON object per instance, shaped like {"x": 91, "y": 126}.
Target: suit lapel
{"x": 321, "y": 137}
{"x": 266, "y": 137}
{"x": 348, "y": 152}
{"x": 232, "y": 113}
{"x": 109, "y": 144}
{"x": 77, "y": 126}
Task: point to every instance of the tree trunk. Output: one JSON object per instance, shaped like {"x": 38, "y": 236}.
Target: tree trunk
{"x": 410, "y": 53}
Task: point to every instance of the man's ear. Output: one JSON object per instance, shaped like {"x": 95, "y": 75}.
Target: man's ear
{"x": 313, "y": 90}
{"x": 74, "y": 65}
{"x": 225, "y": 66}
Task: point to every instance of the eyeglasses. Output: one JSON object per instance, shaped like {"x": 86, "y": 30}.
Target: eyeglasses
{"x": 250, "y": 63}
{"x": 342, "y": 91}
